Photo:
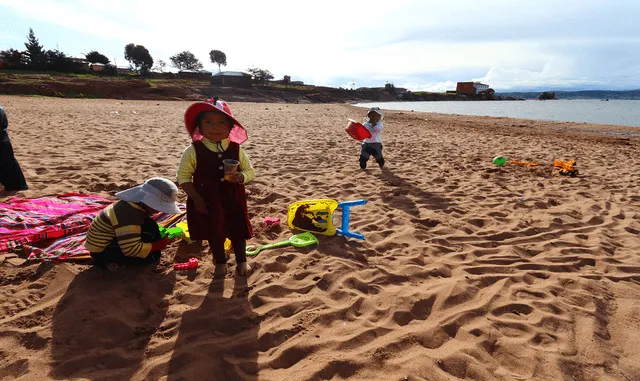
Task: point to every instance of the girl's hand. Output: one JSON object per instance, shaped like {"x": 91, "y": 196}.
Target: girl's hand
{"x": 237, "y": 178}
{"x": 201, "y": 206}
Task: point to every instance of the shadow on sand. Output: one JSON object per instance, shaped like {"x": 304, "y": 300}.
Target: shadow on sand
{"x": 104, "y": 322}
{"x": 219, "y": 339}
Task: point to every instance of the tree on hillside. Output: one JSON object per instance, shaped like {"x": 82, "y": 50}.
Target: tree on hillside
{"x": 185, "y": 61}
{"x": 58, "y": 61}
{"x": 217, "y": 57}
{"x": 95, "y": 57}
{"x": 36, "y": 58}
{"x": 286, "y": 80}
{"x": 13, "y": 59}
{"x": 259, "y": 75}
{"x": 139, "y": 57}
{"x": 389, "y": 87}
{"x": 160, "y": 66}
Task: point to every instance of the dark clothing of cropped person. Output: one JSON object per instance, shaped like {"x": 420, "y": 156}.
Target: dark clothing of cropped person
{"x": 11, "y": 176}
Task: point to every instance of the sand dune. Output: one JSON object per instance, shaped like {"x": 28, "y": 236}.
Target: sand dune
{"x": 468, "y": 271}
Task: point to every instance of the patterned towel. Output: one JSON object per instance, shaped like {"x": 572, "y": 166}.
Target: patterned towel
{"x": 25, "y": 223}
{"x": 28, "y": 220}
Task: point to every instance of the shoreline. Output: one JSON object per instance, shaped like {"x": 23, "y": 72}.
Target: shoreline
{"x": 582, "y": 111}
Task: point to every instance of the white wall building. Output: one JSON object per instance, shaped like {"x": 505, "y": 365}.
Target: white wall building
{"x": 478, "y": 87}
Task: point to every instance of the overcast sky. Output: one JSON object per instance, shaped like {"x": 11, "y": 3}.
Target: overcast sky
{"x": 416, "y": 44}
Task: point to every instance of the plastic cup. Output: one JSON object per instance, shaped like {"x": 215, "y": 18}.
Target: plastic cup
{"x": 230, "y": 167}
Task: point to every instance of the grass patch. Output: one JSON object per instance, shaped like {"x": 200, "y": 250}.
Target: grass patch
{"x": 154, "y": 82}
{"x": 53, "y": 74}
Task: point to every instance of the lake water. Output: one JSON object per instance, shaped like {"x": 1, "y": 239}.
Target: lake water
{"x": 616, "y": 112}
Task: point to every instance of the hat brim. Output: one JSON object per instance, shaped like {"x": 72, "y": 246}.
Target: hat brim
{"x": 154, "y": 202}
{"x": 136, "y": 194}
{"x": 238, "y": 133}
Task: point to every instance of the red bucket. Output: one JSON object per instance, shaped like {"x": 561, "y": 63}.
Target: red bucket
{"x": 357, "y": 130}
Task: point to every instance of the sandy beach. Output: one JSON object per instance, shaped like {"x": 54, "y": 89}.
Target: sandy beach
{"x": 469, "y": 271}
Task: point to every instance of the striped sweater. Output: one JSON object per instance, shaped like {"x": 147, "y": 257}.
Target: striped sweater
{"x": 121, "y": 220}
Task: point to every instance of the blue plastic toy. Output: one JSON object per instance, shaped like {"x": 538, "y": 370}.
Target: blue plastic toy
{"x": 317, "y": 216}
{"x": 346, "y": 214}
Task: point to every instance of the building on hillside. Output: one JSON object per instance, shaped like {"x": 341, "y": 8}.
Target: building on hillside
{"x": 194, "y": 74}
{"x": 83, "y": 63}
{"x": 97, "y": 67}
{"x": 480, "y": 87}
{"x": 471, "y": 88}
{"x": 231, "y": 79}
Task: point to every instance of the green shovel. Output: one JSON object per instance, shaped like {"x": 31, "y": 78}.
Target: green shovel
{"x": 298, "y": 240}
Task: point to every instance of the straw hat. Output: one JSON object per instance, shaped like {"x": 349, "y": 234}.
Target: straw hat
{"x": 238, "y": 133}
{"x": 157, "y": 193}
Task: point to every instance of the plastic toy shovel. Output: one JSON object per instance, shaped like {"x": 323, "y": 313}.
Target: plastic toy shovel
{"x": 298, "y": 240}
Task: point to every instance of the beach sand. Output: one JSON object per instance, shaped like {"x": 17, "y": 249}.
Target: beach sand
{"x": 468, "y": 271}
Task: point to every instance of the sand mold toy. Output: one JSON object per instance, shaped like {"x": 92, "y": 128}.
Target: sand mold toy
{"x": 317, "y": 216}
{"x": 190, "y": 265}
{"x": 567, "y": 168}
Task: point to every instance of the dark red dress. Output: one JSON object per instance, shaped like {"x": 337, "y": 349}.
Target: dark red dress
{"x": 226, "y": 201}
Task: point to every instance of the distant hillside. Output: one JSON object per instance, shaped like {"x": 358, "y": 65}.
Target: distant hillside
{"x": 93, "y": 86}
{"x": 581, "y": 94}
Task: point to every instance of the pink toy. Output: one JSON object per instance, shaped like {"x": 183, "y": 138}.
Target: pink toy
{"x": 271, "y": 222}
{"x": 192, "y": 264}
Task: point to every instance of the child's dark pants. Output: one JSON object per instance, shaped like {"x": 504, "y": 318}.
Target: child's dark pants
{"x": 369, "y": 149}
{"x": 239, "y": 248}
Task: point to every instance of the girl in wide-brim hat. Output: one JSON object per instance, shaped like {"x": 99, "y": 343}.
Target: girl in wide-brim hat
{"x": 217, "y": 202}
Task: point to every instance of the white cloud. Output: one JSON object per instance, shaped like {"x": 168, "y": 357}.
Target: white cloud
{"x": 412, "y": 43}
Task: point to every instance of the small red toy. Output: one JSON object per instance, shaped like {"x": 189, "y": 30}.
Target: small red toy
{"x": 192, "y": 264}
{"x": 270, "y": 223}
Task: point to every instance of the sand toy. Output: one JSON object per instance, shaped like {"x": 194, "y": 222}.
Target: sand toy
{"x": 298, "y": 240}
{"x": 317, "y": 216}
{"x": 313, "y": 215}
{"x": 357, "y": 130}
{"x": 270, "y": 223}
{"x": 191, "y": 264}
{"x": 567, "y": 168}
{"x": 500, "y": 161}
{"x": 171, "y": 233}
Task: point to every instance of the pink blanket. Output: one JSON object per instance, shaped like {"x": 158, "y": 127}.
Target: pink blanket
{"x": 25, "y": 221}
